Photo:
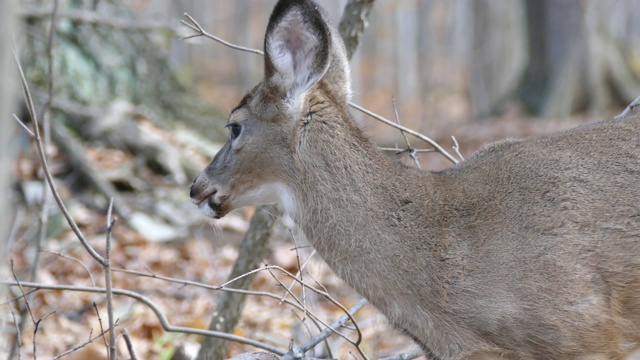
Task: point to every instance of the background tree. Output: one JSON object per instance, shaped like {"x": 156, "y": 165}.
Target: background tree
{"x": 580, "y": 56}
{"x": 8, "y": 102}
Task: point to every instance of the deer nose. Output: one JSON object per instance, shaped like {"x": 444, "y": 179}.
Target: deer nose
{"x": 200, "y": 191}
{"x": 192, "y": 191}
{"x": 196, "y": 193}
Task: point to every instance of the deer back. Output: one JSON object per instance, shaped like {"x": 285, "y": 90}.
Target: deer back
{"x": 529, "y": 248}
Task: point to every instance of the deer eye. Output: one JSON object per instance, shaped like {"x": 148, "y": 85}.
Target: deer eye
{"x": 235, "y": 129}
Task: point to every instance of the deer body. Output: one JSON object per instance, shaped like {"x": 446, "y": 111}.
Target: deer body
{"x": 529, "y": 248}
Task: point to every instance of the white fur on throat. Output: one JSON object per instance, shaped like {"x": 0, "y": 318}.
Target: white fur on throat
{"x": 273, "y": 193}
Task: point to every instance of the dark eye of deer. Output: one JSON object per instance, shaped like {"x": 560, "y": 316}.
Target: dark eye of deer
{"x": 235, "y": 129}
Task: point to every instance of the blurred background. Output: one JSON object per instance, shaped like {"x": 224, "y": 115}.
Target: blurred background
{"x": 447, "y": 63}
{"x": 136, "y": 113}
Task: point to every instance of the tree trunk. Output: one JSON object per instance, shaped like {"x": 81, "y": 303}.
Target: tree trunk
{"x": 498, "y": 53}
{"x": 578, "y": 59}
{"x": 8, "y": 98}
{"x": 253, "y": 249}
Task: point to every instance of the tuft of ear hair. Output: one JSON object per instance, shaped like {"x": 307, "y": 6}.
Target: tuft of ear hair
{"x": 297, "y": 48}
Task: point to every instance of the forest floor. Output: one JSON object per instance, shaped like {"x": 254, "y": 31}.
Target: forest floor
{"x": 205, "y": 253}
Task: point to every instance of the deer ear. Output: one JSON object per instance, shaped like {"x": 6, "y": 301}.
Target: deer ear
{"x": 297, "y": 48}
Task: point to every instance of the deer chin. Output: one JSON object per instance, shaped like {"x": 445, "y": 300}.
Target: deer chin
{"x": 213, "y": 207}
{"x": 217, "y": 206}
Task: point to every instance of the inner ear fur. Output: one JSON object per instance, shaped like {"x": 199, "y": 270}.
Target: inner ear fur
{"x": 297, "y": 48}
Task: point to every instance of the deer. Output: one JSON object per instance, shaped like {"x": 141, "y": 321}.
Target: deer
{"x": 528, "y": 249}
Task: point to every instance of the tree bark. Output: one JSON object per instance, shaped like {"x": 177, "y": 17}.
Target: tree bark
{"x": 8, "y": 98}
{"x": 498, "y": 54}
{"x": 353, "y": 22}
{"x": 578, "y": 61}
{"x": 253, "y": 249}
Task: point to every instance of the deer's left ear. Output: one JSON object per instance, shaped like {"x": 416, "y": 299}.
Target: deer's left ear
{"x": 297, "y": 48}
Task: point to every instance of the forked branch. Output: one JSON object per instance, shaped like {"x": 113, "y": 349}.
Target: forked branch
{"x": 164, "y": 322}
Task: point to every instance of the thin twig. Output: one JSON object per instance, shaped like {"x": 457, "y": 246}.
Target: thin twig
{"x": 15, "y": 298}
{"x": 456, "y": 147}
{"x": 35, "y": 333}
{"x": 164, "y": 322}
{"x": 94, "y": 18}
{"x": 102, "y": 331}
{"x": 15, "y": 225}
{"x": 399, "y": 151}
{"x": 86, "y": 268}
{"x": 127, "y": 341}
{"x": 355, "y": 343}
{"x": 25, "y": 296}
{"x": 45, "y": 166}
{"x": 407, "y": 130}
{"x": 113, "y": 355}
{"x": 410, "y": 149}
{"x": 24, "y": 126}
{"x": 223, "y": 287}
{"x": 78, "y": 347}
{"x": 630, "y": 107}
{"x": 300, "y": 268}
{"x": 304, "y": 294}
{"x": 18, "y": 335}
{"x": 326, "y": 332}
{"x": 217, "y": 288}
{"x": 193, "y": 25}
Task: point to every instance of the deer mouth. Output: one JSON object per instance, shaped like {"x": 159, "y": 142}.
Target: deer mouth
{"x": 213, "y": 207}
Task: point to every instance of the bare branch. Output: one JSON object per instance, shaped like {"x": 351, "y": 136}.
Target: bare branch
{"x": 300, "y": 268}
{"x": 91, "y": 17}
{"x": 407, "y": 130}
{"x": 456, "y": 147}
{"x": 45, "y": 166}
{"x": 18, "y": 332}
{"x": 31, "y": 134}
{"x": 223, "y": 287}
{"x": 164, "y": 322}
{"x": 25, "y": 296}
{"x": 630, "y": 107}
{"x": 325, "y": 333}
{"x": 102, "y": 331}
{"x": 127, "y": 341}
{"x": 304, "y": 294}
{"x": 399, "y": 151}
{"x": 78, "y": 347}
{"x": 113, "y": 355}
{"x": 86, "y": 268}
{"x": 193, "y": 25}
{"x": 410, "y": 149}
{"x": 353, "y": 22}
{"x": 355, "y": 343}
{"x": 35, "y": 332}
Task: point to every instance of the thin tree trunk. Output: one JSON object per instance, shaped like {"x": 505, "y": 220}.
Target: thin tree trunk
{"x": 577, "y": 58}
{"x": 8, "y": 92}
{"x": 353, "y": 22}
{"x": 253, "y": 249}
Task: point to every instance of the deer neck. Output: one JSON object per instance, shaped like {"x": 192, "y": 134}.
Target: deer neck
{"x": 357, "y": 207}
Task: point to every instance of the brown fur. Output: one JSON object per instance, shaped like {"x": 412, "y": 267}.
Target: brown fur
{"x": 529, "y": 248}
